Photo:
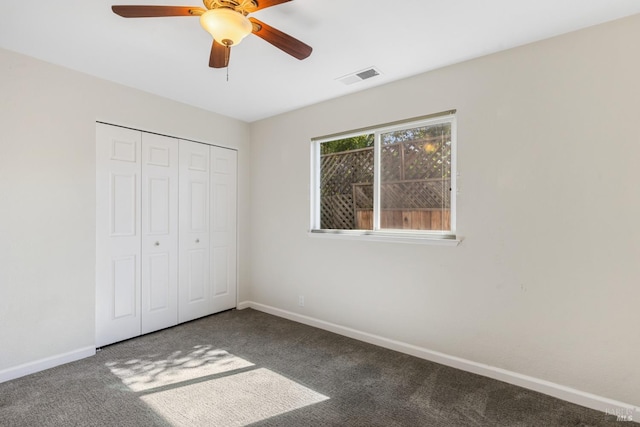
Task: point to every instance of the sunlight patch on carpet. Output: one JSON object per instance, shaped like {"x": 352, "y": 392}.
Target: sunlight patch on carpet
{"x": 234, "y": 400}
{"x": 146, "y": 374}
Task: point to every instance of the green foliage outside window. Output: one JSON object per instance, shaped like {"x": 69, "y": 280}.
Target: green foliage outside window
{"x": 347, "y": 144}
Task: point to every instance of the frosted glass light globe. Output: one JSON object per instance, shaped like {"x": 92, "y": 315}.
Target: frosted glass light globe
{"x": 227, "y": 26}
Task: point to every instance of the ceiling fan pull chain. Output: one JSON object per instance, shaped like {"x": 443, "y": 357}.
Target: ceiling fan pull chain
{"x": 227, "y": 52}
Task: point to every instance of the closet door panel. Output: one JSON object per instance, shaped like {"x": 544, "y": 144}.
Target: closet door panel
{"x": 197, "y": 280}
{"x": 224, "y": 227}
{"x": 118, "y": 233}
{"x": 195, "y": 293}
{"x": 160, "y": 232}
{"x": 124, "y": 286}
{"x": 158, "y": 295}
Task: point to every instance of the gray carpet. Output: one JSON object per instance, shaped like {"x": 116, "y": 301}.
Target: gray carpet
{"x": 249, "y": 368}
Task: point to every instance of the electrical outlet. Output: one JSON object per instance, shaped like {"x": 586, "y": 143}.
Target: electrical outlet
{"x": 301, "y": 300}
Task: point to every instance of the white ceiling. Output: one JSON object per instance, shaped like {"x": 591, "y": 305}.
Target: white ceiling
{"x": 169, "y": 56}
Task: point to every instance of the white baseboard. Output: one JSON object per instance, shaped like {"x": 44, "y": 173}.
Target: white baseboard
{"x": 46, "y": 363}
{"x": 568, "y": 394}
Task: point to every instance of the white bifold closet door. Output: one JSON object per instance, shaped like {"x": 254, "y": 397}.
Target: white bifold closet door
{"x": 159, "y": 232}
{"x": 136, "y": 233}
{"x": 208, "y": 212}
{"x": 223, "y": 227}
{"x": 118, "y": 232}
{"x": 195, "y": 294}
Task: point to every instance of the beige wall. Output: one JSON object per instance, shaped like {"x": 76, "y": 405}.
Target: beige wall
{"x": 47, "y": 190}
{"x": 546, "y": 281}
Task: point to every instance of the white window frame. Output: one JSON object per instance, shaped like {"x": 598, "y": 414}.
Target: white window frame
{"x": 447, "y": 238}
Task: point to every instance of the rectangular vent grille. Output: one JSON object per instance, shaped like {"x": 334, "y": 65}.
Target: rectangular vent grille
{"x": 359, "y": 76}
{"x": 368, "y": 74}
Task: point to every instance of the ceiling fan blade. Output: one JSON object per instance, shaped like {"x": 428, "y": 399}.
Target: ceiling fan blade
{"x": 263, "y": 4}
{"x": 282, "y": 41}
{"x": 219, "y": 55}
{"x": 156, "y": 11}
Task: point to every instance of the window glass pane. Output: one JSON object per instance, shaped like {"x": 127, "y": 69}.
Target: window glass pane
{"x": 346, "y": 183}
{"x": 415, "y": 178}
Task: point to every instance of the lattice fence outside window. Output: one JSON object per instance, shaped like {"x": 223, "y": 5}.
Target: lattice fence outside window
{"x": 412, "y": 178}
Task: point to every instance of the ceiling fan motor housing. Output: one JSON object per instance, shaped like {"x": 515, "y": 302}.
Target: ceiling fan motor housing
{"x": 241, "y": 6}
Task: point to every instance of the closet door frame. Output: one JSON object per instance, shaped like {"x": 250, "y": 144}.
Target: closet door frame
{"x": 200, "y": 278}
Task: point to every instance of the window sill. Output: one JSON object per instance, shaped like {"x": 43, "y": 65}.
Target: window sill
{"x": 388, "y": 236}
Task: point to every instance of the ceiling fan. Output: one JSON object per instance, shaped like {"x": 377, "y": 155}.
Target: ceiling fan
{"x": 227, "y": 22}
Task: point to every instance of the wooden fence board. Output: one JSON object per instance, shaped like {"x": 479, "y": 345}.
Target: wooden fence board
{"x": 426, "y": 220}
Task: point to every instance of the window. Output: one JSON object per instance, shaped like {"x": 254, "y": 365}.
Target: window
{"x": 392, "y": 180}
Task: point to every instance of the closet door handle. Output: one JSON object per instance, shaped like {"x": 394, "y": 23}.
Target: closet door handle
{"x": 156, "y": 244}
{"x": 197, "y": 240}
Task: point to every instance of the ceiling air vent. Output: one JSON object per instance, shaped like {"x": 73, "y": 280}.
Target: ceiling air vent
{"x": 359, "y": 76}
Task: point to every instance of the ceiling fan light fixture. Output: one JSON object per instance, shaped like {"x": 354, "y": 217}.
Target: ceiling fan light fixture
{"x": 227, "y": 26}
